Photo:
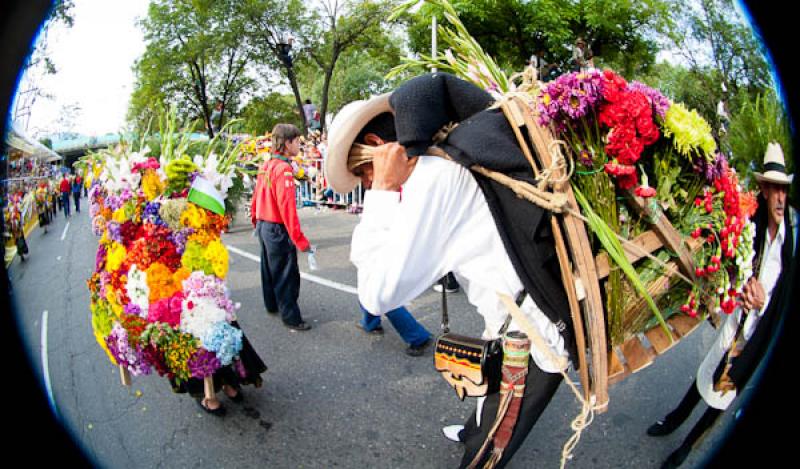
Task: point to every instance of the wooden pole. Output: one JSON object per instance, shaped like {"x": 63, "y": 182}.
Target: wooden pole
{"x": 208, "y": 387}
{"x": 124, "y": 376}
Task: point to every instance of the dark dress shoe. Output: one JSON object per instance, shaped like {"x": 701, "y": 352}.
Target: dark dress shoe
{"x": 661, "y": 428}
{"x": 218, "y": 412}
{"x": 302, "y": 326}
{"x": 417, "y": 350}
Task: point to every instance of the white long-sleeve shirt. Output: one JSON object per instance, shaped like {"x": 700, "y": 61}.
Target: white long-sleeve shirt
{"x": 768, "y": 273}
{"x": 440, "y": 224}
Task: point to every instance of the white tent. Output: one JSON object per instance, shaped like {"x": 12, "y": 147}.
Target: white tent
{"x": 30, "y": 147}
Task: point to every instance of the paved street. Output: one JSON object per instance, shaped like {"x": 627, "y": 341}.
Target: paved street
{"x": 332, "y": 397}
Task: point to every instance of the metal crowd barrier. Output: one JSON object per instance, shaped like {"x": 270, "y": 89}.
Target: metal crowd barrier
{"x": 315, "y": 191}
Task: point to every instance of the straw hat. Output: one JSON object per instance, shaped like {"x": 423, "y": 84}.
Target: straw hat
{"x": 342, "y": 133}
{"x": 774, "y": 167}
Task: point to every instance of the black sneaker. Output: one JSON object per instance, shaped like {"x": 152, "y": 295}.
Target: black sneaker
{"x": 302, "y": 326}
{"x": 451, "y": 285}
{"x": 417, "y": 350}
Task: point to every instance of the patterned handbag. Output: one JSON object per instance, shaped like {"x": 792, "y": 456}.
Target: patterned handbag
{"x": 472, "y": 366}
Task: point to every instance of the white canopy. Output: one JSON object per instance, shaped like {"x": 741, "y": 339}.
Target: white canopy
{"x": 30, "y": 147}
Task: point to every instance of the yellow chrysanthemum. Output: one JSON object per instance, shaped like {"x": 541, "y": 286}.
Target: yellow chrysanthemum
{"x": 690, "y": 132}
{"x": 115, "y": 256}
{"x": 152, "y": 185}
{"x": 218, "y": 256}
{"x": 194, "y": 216}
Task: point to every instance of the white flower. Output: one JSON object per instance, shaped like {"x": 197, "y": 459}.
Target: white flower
{"x": 138, "y": 291}
{"x": 201, "y": 316}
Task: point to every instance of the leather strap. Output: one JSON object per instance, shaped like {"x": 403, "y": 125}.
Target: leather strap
{"x": 446, "y": 318}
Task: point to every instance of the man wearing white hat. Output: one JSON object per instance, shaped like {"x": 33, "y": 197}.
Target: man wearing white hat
{"x": 764, "y": 296}
{"x": 425, "y": 216}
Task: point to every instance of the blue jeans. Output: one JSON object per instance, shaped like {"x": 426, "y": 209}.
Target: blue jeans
{"x": 65, "y": 203}
{"x": 412, "y": 332}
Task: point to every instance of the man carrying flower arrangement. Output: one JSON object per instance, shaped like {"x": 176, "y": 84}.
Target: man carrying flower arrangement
{"x": 273, "y": 213}
{"x": 745, "y": 335}
{"x": 424, "y": 217}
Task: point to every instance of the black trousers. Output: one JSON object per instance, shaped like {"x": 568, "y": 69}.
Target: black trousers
{"x": 539, "y": 389}
{"x": 684, "y": 410}
{"x": 280, "y": 275}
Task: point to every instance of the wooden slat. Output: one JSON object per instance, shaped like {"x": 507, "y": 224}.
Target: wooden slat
{"x": 683, "y": 324}
{"x": 647, "y": 242}
{"x": 666, "y": 233}
{"x": 659, "y": 340}
{"x": 636, "y": 355}
{"x": 615, "y": 367}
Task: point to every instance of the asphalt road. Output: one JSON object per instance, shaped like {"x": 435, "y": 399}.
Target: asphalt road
{"x": 332, "y": 397}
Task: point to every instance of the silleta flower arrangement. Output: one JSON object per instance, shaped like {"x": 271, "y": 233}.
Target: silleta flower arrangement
{"x": 628, "y": 141}
{"x": 158, "y": 295}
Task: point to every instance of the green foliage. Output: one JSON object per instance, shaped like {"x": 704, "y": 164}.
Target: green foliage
{"x": 195, "y": 56}
{"x": 262, "y": 113}
{"x": 758, "y": 122}
{"x": 619, "y": 33}
{"x": 712, "y": 33}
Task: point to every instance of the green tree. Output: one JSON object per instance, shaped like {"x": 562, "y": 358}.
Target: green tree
{"x": 262, "y": 113}
{"x": 271, "y": 27}
{"x": 195, "y": 57}
{"x": 757, "y": 122}
{"x": 360, "y": 72}
{"x": 713, "y": 34}
{"x": 620, "y": 33}
{"x": 344, "y": 26}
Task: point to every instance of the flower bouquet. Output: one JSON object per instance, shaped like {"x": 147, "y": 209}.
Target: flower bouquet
{"x": 158, "y": 295}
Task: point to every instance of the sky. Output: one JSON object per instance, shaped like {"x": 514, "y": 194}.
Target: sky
{"x": 94, "y": 59}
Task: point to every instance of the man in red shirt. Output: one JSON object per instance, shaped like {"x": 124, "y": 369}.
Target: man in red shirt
{"x": 65, "y": 188}
{"x": 274, "y": 215}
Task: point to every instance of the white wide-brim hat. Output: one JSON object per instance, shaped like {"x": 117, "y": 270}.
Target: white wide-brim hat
{"x": 344, "y": 129}
{"x": 774, "y": 167}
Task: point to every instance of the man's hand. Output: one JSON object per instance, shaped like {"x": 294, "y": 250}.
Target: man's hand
{"x": 753, "y": 295}
{"x": 391, "y": 166}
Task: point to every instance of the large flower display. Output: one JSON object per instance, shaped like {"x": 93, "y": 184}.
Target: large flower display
{"x": 629, "y": 140}
{"x": 158, "y": 296}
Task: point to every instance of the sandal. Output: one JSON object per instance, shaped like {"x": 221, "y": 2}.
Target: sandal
{"x": 218, "y": 412}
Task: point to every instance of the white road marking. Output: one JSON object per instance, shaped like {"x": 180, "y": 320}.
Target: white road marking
{"x": 45, "y": 366}
{"x": 64, "y": 234}
{"x": 309, "y": 277}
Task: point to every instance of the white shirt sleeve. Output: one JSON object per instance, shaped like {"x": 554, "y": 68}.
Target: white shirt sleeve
{"x": 398, "y": 247}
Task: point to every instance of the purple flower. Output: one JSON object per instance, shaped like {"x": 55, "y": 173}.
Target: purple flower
{"x": 570, "y": 97}
{"x": 151, "y": 213}
{"x": 180, "y": 237}
{"x": 114, "y": 231}
{"x": 113, "y": 202}
{"x": 133, "y": 309}
{"x": 203, "y": 363}
{"x": 660, "y": 102}
{"x": 100, "y": 259}
{"x": 125, "y": 355}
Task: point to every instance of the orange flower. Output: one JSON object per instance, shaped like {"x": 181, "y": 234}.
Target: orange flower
{"x": 747, "y": 204}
